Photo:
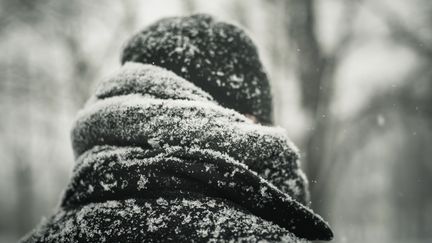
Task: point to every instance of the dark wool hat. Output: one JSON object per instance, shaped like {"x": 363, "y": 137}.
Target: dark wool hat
{"x": 216, "y": 56}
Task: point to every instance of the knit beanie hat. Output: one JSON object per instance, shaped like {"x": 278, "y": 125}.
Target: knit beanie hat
{"x": 218, "y": 57}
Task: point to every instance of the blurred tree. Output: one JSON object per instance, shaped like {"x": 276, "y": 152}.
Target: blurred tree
{"x": 47, "y": 73}
{"x": 315, "y": 70}
{"x": 410, "y": 104}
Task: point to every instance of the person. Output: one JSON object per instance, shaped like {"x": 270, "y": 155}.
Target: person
{"x": 178, "y": 146}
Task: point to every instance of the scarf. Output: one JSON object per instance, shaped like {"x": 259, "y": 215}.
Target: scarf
{"x": 159, "y": 159}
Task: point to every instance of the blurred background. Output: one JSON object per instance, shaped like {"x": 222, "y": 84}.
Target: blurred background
{"x": 352, "y": 84}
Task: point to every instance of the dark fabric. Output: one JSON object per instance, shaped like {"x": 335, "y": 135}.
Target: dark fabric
{"x": 165, "y": 119}
{"x": 216, "y": 56}
{"x": 159, "y": 160}
{"x": 170, "y": 219}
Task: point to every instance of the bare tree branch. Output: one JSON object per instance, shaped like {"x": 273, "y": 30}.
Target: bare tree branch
{"x": 400, "y": 32}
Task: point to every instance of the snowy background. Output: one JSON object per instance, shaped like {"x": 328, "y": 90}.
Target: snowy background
{"x": 352, "y": 84}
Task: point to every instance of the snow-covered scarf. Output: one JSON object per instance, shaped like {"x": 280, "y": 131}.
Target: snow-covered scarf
{"x": 158, "y": 158}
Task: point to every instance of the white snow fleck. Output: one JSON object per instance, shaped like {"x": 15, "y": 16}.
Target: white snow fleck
{"x": 381, "y": 120}
{"x": 142, "y": 182}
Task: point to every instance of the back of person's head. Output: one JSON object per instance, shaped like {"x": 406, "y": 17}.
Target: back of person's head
{"x": 216, "y": 56}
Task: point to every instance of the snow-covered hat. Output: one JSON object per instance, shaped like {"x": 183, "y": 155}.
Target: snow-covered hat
{"x": 216, "y": 56}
